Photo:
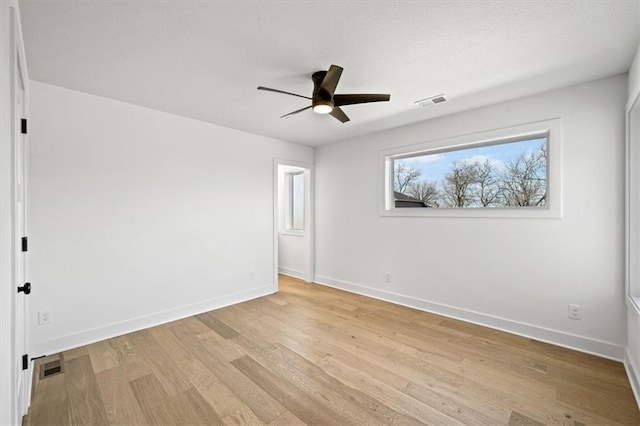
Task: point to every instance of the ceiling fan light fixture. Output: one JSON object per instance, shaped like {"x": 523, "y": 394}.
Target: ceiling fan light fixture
{"x": 323, "y": 107}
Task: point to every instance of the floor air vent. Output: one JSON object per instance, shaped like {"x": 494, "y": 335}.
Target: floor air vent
{"x": 52, "y": 368}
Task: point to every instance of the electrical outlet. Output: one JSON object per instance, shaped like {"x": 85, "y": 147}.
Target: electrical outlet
{"x": 575, "y": 312}
{"x": 44, "y": 317}
{"x": 387, "y": 277}
{"x": 252, "y": 275}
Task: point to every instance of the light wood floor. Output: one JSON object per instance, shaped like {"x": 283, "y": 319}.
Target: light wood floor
{"x": 311, "y": 354}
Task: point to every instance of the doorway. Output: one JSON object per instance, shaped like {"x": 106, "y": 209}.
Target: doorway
{"x": 294, "y": 221}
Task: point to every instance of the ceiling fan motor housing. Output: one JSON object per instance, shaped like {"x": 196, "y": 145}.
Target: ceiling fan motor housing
{"x": 320, "y": 97}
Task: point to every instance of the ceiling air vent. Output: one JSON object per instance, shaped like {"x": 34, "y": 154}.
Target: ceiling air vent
{"x": 430, "y": 101}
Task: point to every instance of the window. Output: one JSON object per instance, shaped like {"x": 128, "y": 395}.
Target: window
{"x": 507, "y": 172}
{"x": 295, "y": 210}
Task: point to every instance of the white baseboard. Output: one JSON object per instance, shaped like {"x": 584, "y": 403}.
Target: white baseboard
{"x": 292, "y": 273}
{"x": 558, "y": 338}
{"x": 633, "y": 375}
{"x": 59, "y": 344}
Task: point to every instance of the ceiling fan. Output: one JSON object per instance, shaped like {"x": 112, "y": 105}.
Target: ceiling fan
{"x": 324, "y": 100}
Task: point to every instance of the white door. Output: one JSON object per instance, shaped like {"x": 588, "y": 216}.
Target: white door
{"x": 20, "y": 226}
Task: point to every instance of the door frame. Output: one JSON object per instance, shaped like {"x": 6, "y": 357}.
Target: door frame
{"x": 21, "y": 229}
{"x": 309, "y": 217}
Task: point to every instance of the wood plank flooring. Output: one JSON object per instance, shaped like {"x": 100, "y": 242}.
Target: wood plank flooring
{"x": 314, "y": 355}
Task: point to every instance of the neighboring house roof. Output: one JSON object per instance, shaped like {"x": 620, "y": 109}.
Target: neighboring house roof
{"x": 404, "y": 200}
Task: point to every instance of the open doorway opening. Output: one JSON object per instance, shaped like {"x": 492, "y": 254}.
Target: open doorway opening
{"x": 294, "y": 220}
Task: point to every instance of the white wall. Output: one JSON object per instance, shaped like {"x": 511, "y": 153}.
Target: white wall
{"x": 632, "y": 355}
{"x": 514, "y": 274}
{"x": 293, "y": 257}
{"x": 140, "y": 217}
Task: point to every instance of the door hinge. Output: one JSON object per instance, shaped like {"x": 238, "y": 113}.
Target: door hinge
{"x": 25, "y": 361}
{"x": 25, "y": 243}
{"x": 23, "y": 126}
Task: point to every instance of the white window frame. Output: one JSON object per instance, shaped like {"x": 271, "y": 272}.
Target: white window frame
{"x": 289, "y": 203}
{"x": 551, "y": 129}
{"x": 632, "y": 272}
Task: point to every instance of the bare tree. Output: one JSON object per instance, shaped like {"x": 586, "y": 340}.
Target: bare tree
{"x": 487, "y": 184}
{"x": 524, "y": 182}
{"x": 404, "y": 176}
{"x": 426, "y": 191}
{"x": 458, "y": 184}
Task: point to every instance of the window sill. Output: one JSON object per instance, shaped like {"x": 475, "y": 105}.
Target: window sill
{"x": 293, "y": 233}
{"x": 474, "y": 213}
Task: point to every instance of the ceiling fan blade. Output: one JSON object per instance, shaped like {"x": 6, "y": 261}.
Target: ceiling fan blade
{"x": 281, "y": 91}
{"x": 339, "y": 114}
{"x": 295, "y": 112}
{"x": 331, "y": 79}
{"x": 340, "y": 100}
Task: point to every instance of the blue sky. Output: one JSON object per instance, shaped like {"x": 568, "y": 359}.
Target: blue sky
{"x": 435, "y": 166}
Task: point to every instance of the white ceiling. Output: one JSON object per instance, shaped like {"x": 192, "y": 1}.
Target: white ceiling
{"x": 204, "y": 59}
